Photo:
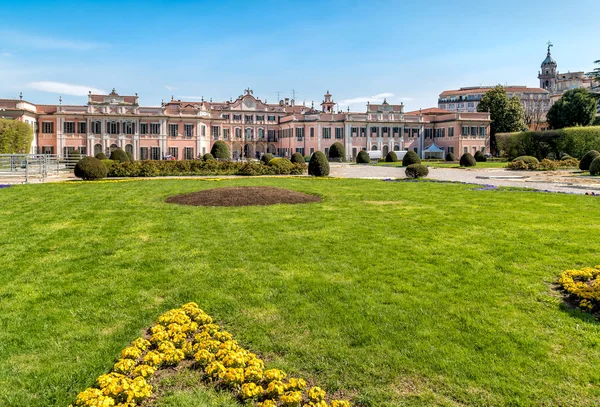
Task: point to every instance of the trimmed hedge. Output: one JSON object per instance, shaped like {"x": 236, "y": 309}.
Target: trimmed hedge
{"x": 318, "y": 165}
{"x": 298, "y": 158}
{"x": 527, "y": 159}
{"x": 336, "y": 152}
{"x": 391, "y": 157}
{"x": 595, "y": 166}
{"x": 587, "y": 159}
{"x": 148, "y": 168}
{"x": 101, "y": 156}
{"x": 410, "y": 158}
{"x": 416, "y": 171}
{"x": 467, "y": 160}
{"x": 208, "y": 157}
{"x": 266, "y": 158}
{"x": 575, "y": 141}
{"x": 282, "y": 165}
{"x": 90, "y": 168}
{"x": 363, "y": 157}
{"x": 480, "y": 157}
{"x": 306, "y": 158}
{"x": 450, "y": 157}
{"x": 220, "y": 150}
{"x": 119, "y": 155}
{"x": 129, "y": 155}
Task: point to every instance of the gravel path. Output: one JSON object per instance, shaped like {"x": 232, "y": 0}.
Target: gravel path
{"x": 553, "y": 181}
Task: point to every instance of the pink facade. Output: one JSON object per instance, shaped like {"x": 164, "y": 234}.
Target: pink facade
{"x": 186, "y": 130}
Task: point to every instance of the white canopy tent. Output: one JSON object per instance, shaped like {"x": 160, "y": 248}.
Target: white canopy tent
{"x": 433, "y": 151}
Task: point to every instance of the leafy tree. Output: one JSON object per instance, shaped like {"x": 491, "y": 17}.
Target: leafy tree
{"x": 576, "y": 107}
{"x": 596, "y": 73}
{"x": 507, "y": 115}
{"x": 15, "y": 137}
{"x": 220, "y": 150}
{"x": 336, "y": 151}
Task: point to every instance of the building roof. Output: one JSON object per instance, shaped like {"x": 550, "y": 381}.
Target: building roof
{"x": 483, "y": 89}
{"x": 429, "y": 110}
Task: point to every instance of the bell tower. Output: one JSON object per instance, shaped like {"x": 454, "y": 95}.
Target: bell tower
{"x": 547, "y": 75}
{"x": 327, "y": 104}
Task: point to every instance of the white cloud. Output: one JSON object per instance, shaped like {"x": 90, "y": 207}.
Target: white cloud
{"x": 46, "y": 42}
{"x": 64, "y": 88}
{"x": 168, "y": 87}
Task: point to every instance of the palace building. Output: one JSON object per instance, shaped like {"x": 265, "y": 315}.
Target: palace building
{"x": 185, "y": 130}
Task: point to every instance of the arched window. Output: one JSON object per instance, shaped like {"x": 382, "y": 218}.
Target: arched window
{"x": 374, "y": 148}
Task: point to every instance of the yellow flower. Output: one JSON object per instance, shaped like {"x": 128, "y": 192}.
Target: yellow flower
{"x": 141, "y": 343}
{"x": 267, "y": 403}
{"x": 215, "y": 370}
{"x": 296, "y": 384}
{"x": 124, "y": 366}
{"x": 251, "y": 390}
{"x": 131, "y": 352}
{"x": 275, "y": 389}
{"x": 274, "y": 374}
{"x": 233, "y": 377}
{"x": 340, "y": 403}
{"x": 292, "y": 399}
{"x": 143, "y": 370}
{"x": 153, "y": 358}
{"x": 316, "y": 394}
{"x": 204, "y": 357}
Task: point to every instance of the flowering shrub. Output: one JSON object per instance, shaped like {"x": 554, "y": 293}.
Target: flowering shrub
{"x": 189, "y": 333}
{"x": 583, "y": 287}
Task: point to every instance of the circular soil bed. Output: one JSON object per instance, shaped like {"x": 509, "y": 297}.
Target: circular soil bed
{"x": 243, "y": 196}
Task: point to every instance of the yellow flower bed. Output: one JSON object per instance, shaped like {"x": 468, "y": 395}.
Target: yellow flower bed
{"x": 189, "y": 333}
{"x": 583, "y": 286}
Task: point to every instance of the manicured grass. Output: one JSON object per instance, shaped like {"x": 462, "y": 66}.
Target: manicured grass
{"x": 442, "y": 164}
{"x": 393, "y": 293}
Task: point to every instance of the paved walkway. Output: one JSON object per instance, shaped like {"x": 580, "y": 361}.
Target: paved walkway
{"x": 554, "y": 181}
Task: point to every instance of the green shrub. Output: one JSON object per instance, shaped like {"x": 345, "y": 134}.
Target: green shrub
{"x": 266, "y": 158}
{"x": 416, "y": 171}
{"x": 208, "y": 157}
{"x": 281, "y": 165}
{"x": 565, "y": 157}
{"x": 108, "y": 163}
{"x": 336, "y": 152}
{"x": 587, "y": 159}
{"x": 318, "y": 165}
{"x": 467, "y": 160}
{"x": 546, "y": 165}
{"x": 298, "y": 158}
{"x": 410, "y": 158}
{"x": 129, "y": 155}
{"x": 595, "y": 166}
{"x": 450, "y": 157}
{"x": 90, "y": 168}
{"x": 391, "y": 157}
{"x": 306, "y": 158}
{"x": 220, "y": 150}
{"x": 363, "y": 157}
{"x": 480, "y": 157}
{"x": 569, "y": 163}
{"x": 119, "y": 155}
{"x": 517, "y": 165}
{"x": 529, "y": 160}
{"x": 101, "y": 156}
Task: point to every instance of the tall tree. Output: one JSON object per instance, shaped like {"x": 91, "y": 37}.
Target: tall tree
{"x": 15, "y": 137}
{"x": 576, "y": 107}
{"x": 596, "y": 73}
{"x": 507, "y": 115}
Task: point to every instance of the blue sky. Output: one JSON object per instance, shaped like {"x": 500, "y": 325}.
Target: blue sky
{"x": 409, "y": 51}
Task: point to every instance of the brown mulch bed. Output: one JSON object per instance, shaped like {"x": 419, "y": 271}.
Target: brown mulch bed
{"x": 243, "y": 196}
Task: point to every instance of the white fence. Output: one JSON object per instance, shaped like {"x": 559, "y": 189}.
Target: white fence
{"x": 19, "y": 168}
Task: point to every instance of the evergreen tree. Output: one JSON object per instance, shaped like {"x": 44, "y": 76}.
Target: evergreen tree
{"x": 576, "y": 107}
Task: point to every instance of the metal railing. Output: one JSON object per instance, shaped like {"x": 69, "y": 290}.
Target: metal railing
{"x": 27, "y": 168}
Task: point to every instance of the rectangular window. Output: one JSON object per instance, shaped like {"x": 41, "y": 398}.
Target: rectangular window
{"x": 338, "y": 132}
{"x": 407, "y": 131}
{"x": 188, "y": 153}
{"x": 174, "y": 152}
{"x": 248, "y": 118}
{"x": 299, "y": 133}
{"x": 353, "y": 131}
{"x": 114, "y": 127}
{"x": 238, "y": 132}
{"x": 154, "y": 128}
{"x": 97, "y": 127}
{"x": 312, "y": 150}
{"x": 473, "y": 131}
{"x": 451, "y": 150}
{"x": 69, "y": 127}
{"x": 215, "y": 132}
{"x": 173, "y": 129}
{"x": 129, "y": 127}
{"x": 237, "y": 117}
{"x": 83, "y": 150}
{"x": 271, "y": 118}
{"x": 82, "y": 127}
{"x": 47, "y": 149}
{"x": 271, "y": 135}
{"x": 300, "y": 150}
{"x": 188, "y": 130}
{"x": 465, "y": 132}
{"x": 428, "y": 133}
{"x": 260, "y": 118}
{"x": 326, "y": 132}
{"x": 225, "y": 116}
{"x": 482, "y": 131}
{"x": 415, "y": 133}
{"x": 155, "y": 153}
{"x": 363, "y": 131}
{"x": 226, "y": 134}
{"x": 465, "y": 149}
{"x": 143, "y": 128}
{"x": 450, "y": 131}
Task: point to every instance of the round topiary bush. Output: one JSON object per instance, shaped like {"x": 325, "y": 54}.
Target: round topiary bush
{"x": 119, "y": 155}
{"x": 266, "y": 158}
{"x": 318, "y": 165}
{"x": 528, "y": 159}
{"x": 565, "y": 157}
{"x": 480, "y": 157}
{"x": 595, "y": 166}
{"x": 208, "y": 157}
{"x": 391, "y": 157}
{"x": 101, "y": 156}
{"x": 587, "y": 159}
{"x": 281, "y": 165}
{"x": 220, "y": 150}
{"x": 306, "y": 158}
{"x": 410, "y": 158}
{"x": 363, "y": 157}
{"x": 298, "y": 158}
{"x": 450, "y": 157}
{"x": 416, "y": 171}
{"x": 90, "y": 168}
{"x": 129, "y": 155}
{"x": 467, "y": 160}
{"x": 336, "y": 152}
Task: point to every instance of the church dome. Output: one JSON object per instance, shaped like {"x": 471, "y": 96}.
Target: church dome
{"x": 549, "y": 60}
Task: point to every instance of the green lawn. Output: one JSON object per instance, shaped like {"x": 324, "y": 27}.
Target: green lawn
{"x": 442, "y": 164}
{"x": 393, "y": 293}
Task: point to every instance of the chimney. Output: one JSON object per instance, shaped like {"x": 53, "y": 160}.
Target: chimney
{"x": 287, "y": 101}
